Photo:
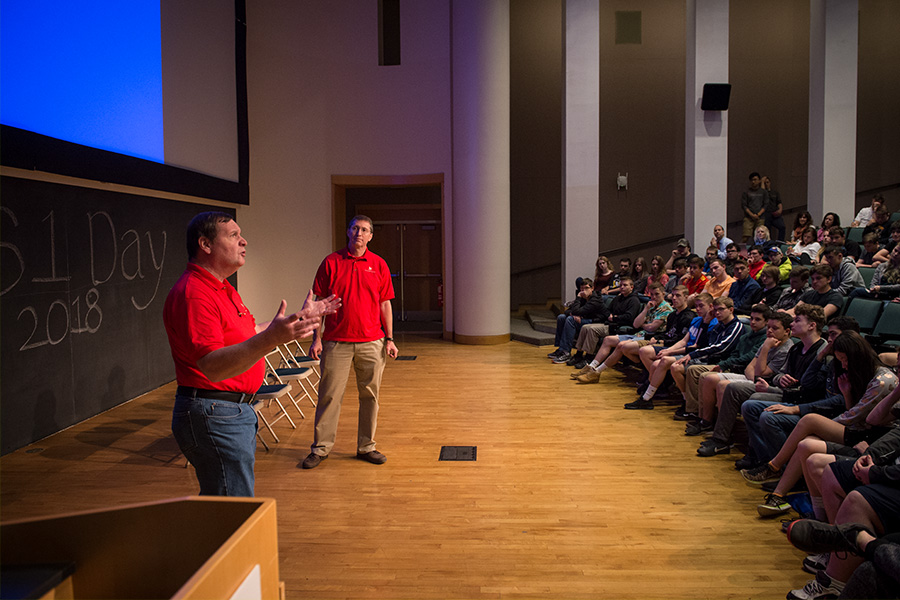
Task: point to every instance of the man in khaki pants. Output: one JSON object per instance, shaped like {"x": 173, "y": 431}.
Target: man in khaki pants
{"x": 359, "y": 334}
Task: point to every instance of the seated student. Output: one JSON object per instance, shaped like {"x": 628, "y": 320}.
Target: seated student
{"x": 862, "y": 499}
{"x": 682, "y": 250}
{"x": 799, "y": 284}
{"x": 603, "y": 274}
{"x": 828, "y": 221}
{"x": 836, "y": 237}
{"x": 678, "y": 323}
{"x": 657, "y": 273}
{"x": 723, "y": 339}
{"x": 680, "y": 270}
{"x": 777, "y": 259}
{"x": 771, "y": 290}
{"x": 867, "y": 214}
{"x": 712, "y": 253}
{"x": 624, "y": 271}
{"x": 755, "y": 261}
{"x": 720, "y": 281}
{"x": 771, "y": 414}
{"x": 728, "y": 391}
{"x": 651, "y": 320}
{"x": 696, "y": 376}
{"x": 883, "y": 254}
{"x": 588, "y": 306}
{"x": 720, "y": 241}
{"x": 623, "y": 309}
{"x": 821, "y": 293}
{"x": 658, "y": 362}
{"x": 745, "y": 291}
{"x": 732, "y": 253}
{"x": 801, "y": 222}
{"x": 880, "y": 225}
{"x": 864, "y": 382}
{"x": 870, "y": 251}
{"x": 639, "y": 274}
{"x": 885, "y": 281}
{"x": 846, "y": 276}
{"x": 695, "y": 280}
{"x": 760, "y": 237}
{"x": 806, "y": 251}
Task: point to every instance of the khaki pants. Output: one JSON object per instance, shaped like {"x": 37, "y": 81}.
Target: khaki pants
{"x": 367, "y": 360}
{"x": 589, "y": 336}
{"x": 692, "y": 386}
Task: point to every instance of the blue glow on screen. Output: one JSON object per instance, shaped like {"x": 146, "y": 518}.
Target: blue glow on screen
{"x": 84, "y": 72}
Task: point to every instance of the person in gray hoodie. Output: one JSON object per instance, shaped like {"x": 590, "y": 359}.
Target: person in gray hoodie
{"x": 846, "y": 276}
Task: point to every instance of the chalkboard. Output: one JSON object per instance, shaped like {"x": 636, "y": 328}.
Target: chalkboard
{"x": 84, "y": 274}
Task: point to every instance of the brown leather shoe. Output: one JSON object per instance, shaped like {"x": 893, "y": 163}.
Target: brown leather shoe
{"x": 592, "y": 377}
{"x": 312, "y": 461}
{"x": 375, "y": 457}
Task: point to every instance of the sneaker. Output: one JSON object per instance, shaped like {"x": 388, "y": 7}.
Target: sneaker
{"x": 560, "y": 359}
{"x": 682, "y": 415}
{"x": 814, "y": 563}
{"x": 810, "y": 535}
{"x": 819, "y": 588}
{"x": 375, "y": 457}
{"x": 773, "y": 506}
{"x": 575, "y": 358}
{"x": 761, "y": 474}
{"x": 698, "y": 427}
{"x": 747, "y": 462}
{"x": 583, "y": 371}
{"x": 592, "y": 377}
{"x": 712, "y": 446}
{"x": 554, "y": 354}
{"x": 312, "y": 461}
{"x": 640, "y": 404}
{"x": 581, "y": 363}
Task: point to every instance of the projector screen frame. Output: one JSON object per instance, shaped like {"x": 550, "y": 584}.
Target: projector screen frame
{"x": 31, "y": 151}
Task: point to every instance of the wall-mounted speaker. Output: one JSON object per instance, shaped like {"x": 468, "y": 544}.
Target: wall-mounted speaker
{"x": 715, "y": 96}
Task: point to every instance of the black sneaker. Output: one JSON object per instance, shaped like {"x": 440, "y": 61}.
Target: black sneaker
{"x": 748, "y": 462}
{"x": 575, "y": 358}
{"x": 698, "y": 427}
{"x": 581, "y": 363}
{"x": 814, "y": 536}
{"x": 640, "y": 404}
{"x": 681, "y": 415}
{"x": 560, "y": 359}
{"x": 712, "y": 446}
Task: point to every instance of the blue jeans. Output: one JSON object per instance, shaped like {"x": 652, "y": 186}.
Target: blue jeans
{"x": 767, "y": 431}
{"x": 567, "y": 330}
{"x": 219, "y": 438}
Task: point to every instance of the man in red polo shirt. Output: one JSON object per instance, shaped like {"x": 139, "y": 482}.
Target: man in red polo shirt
{"x": 218, "y": 350}
{"x": 358, "y": 334}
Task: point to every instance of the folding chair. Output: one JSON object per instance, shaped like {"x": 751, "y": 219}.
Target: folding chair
{"x": 283, "y": 374}
{"x": 264, "y": 396}
{"x": 297, "y": 357}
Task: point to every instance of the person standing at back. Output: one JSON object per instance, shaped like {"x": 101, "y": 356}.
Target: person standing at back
{"x": 359, "y": 334}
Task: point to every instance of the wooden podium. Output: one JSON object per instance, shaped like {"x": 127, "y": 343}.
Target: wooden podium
{"x": 195, "y": 547}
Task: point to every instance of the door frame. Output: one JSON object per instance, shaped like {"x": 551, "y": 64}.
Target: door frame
{"x": 339, "y": 185}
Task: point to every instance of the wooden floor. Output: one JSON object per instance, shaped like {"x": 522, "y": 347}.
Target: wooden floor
{"x": 571, "y": 496}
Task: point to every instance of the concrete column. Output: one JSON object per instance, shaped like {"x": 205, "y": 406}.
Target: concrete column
{"x": 480, "y": 79}
{"x": 706, "y": 132}
{"x": 581, "y": 149}
{"x": 833, "y": 57}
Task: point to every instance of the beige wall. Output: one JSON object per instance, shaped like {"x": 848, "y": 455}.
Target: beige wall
{"x": 319, "y": 105}
{"x": 642, "y": 126}
{"x": 768, "y": 116}
{"x": 536, "y": 88}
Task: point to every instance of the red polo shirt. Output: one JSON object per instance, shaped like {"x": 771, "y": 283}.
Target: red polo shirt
{"x": 362, "y": 284}
{"x": 203, "y": 314}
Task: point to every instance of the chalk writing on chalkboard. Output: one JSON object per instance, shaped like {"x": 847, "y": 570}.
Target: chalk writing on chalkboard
{"x": 109, "y": 252}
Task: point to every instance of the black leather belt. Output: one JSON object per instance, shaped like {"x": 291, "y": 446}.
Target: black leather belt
{"x": 238, "y": 397}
